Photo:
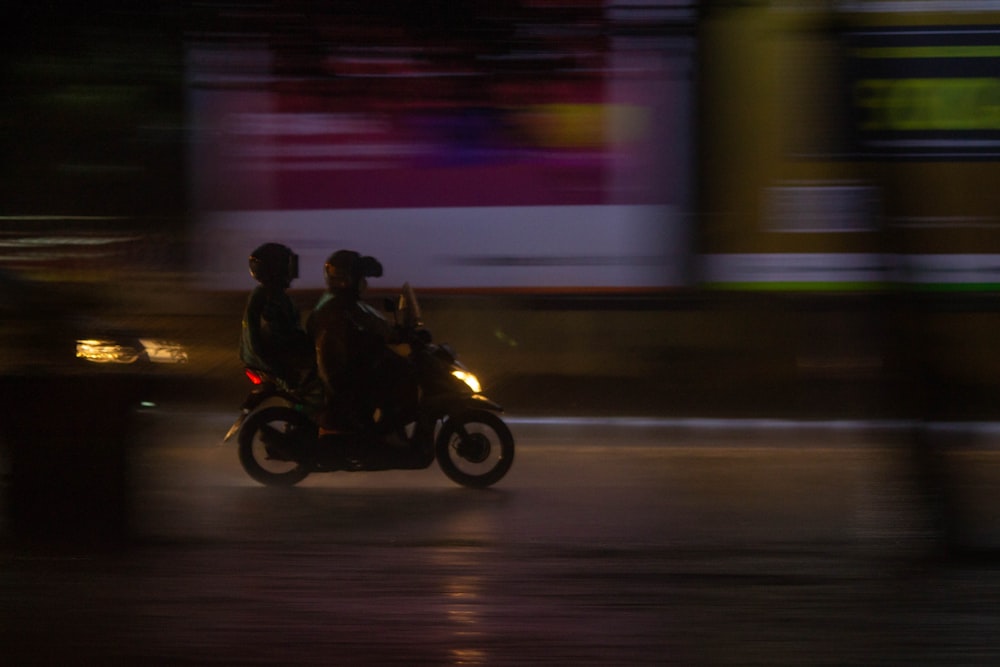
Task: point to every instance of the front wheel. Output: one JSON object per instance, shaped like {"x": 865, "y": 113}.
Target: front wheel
{"x": 271, "y": 440}
{"x": 475, "y": 449}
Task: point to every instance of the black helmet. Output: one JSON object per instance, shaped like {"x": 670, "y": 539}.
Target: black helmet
{"x": 273, "y": 264}
{"x": 347, "y": 270}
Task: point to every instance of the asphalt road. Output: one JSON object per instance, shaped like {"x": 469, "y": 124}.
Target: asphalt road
{"x": 609, "y": 543}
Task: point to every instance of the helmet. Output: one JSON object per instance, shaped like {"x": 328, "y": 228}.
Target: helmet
{"x": 346, "y": 270}
{"x": 274, "y": 264}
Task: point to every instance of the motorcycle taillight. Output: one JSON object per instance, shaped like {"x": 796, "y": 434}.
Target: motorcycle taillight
{"x": 253, "y": 376}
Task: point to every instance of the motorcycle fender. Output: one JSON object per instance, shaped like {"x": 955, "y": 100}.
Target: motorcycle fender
{"x": 236, "y": 424}
{"x": 481, "y": 402}
{"x": 252, "y": 402}
{"x": 452, "y": 405}
{"x": 255, "y": 398}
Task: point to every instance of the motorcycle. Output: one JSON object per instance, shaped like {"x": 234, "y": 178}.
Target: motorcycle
{"x": 446, "y": 419}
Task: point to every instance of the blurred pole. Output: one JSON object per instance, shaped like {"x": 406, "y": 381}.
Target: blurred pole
{"x": 921, "y": 393}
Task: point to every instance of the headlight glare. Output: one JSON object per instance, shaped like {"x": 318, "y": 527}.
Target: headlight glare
{"x": 469, "y": 379}
{"x": 105, "y": 351}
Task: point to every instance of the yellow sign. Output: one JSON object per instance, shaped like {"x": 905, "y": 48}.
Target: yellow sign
{"x": 929, "y": 104}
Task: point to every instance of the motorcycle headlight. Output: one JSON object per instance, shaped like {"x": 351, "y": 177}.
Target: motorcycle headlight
{"x": 469, "y": 379}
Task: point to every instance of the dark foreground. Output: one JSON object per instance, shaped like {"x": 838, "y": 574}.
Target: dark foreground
{"x": 606, "y": 545}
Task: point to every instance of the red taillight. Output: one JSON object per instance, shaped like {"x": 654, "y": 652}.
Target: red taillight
{"x": 253, "y": 376}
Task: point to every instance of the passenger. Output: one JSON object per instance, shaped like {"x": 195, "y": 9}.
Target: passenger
{"x": 273, "y": 339}
{"x": 357, "y": 369}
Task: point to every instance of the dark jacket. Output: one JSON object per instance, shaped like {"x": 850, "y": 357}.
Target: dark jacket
{"x": 350, "y": 339}
{"x": 273, "y": 339}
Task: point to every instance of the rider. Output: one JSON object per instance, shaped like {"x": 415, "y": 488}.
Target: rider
{"x": 273, "y": 339}
{"x": 350, "y": 336}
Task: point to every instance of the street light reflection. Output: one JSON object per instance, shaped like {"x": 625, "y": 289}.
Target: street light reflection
{"x": 464, "y": 597}
{"x": 469, "y": 657}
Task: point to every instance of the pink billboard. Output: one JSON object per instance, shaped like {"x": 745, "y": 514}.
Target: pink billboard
{"x": 554, "y": 156}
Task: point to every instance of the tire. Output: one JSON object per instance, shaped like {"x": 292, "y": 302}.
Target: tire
{"x": 268, "y": 465}
{"x": 475, "y": 449}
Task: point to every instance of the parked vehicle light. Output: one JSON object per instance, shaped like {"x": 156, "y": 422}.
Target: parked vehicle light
{"x": 164, "y": 351}
{"x": 106, "y": 351}
{"x": 468, "y": 378}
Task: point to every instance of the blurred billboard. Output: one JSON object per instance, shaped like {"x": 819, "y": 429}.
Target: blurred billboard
{"x": 517, "y": 145}
{"x": 851, "y": 145}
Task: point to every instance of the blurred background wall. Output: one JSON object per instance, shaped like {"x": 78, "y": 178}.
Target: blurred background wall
{"x": 754, "y": 207}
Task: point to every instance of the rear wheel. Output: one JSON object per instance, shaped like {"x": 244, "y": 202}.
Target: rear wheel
{"x": 272, "y": 441}
{"x": 475, "y": 449}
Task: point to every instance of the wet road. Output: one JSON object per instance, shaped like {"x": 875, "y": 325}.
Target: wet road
{"x": 620, "y": 544}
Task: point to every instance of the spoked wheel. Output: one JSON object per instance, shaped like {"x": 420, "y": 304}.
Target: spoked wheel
{"x": 271, "y": 440}
{"x": 475, "y": 449}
